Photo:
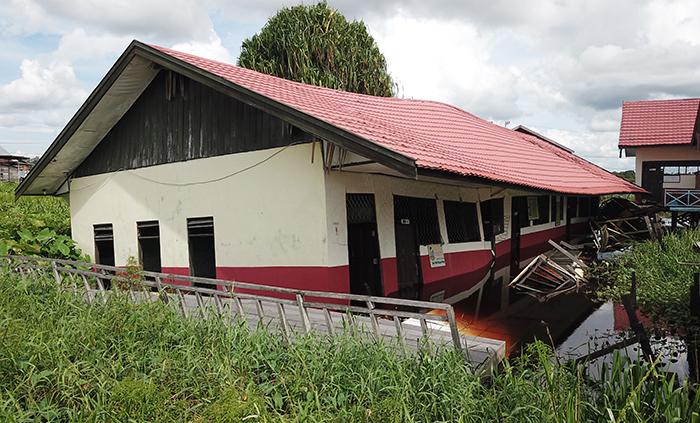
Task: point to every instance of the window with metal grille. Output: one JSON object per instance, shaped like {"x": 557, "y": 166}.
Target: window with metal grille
{"x": 104, "y": 243}
{"x": 149, "y": 245}
{"x": 422, "y": 212}
{"x": 360, "y": 208}
{"x": 200, "y": 234}
{"x": 462, "y": 222}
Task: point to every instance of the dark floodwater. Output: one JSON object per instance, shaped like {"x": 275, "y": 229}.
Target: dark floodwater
{"x": 573, "y": 323}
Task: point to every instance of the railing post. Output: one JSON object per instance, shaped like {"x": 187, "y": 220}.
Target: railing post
{"x": 56, "y": 276}
{"x": 373, "y": 319}
{"x": 454, "y": 330}
{"x": 161, "y": 292}
{"x": 638, "y": 328}
{"x": 633, "y": 289}
{"x": 329, "y": 321}
{"x": 302, "y": 312}
{"x": 183, "y": 304}
{"x": 692, "y": 341}
{"x": 399, "y": 332}
{"x": 283, "y": 321}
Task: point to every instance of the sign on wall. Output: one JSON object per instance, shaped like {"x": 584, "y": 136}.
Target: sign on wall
{"x": 437, "y": 257}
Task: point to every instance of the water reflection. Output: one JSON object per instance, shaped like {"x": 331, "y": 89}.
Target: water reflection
{"x": 573, "y": 323}
{"x": 604, "y": 327}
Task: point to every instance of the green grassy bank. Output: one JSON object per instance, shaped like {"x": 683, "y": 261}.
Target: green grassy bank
{"x": 67, "y": 361}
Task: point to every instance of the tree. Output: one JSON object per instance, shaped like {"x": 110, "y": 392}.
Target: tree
{"x": 627, "y": 175}
{"x": 316, "y": 45}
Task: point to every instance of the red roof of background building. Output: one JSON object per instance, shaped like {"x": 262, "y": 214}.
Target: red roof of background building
{"x": 438, "y": 136}
{"x": 658, "y": 122}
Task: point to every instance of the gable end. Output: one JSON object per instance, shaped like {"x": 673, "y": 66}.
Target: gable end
{"x": 178, "y": 119}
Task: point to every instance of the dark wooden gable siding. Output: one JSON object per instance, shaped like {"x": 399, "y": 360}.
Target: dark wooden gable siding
{"x": 197, "y": 121}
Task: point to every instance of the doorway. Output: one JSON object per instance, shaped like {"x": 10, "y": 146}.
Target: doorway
{"x": 519, "y": 218}
{"x": 363, "y": 246}
{"x": 492, "y": 220}
{"x": 653, "y": 181}
{"x": 200, "y": 234}
{"x": 409, "y": 233}
{"x": 407, "y": 260}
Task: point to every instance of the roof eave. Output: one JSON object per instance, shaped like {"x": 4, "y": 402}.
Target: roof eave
{"x": 626, "y": 188}
{"x": 78, "y": 119}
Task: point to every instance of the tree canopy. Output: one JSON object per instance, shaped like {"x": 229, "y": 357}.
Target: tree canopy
{"x": 316, "y": 45}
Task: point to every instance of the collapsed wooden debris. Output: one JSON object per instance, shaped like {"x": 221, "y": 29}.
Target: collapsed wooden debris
{"x": 558, "y": 272}
{"x": 620, "y": 220}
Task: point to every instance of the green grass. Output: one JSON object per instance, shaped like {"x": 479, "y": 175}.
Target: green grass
{"x": 64, "y": 360}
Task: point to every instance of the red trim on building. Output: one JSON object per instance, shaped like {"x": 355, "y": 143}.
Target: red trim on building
{"x": 461, "y": 272}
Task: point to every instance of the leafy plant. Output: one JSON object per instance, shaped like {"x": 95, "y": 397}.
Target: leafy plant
{"x": 44, "y": 244}
{"x": 316, "y": 45}
{"x": 35, "y": 226}
{"x": 663, "y": 285}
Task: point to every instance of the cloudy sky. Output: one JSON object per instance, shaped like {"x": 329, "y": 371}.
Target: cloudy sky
{"x": 560, "y": 67}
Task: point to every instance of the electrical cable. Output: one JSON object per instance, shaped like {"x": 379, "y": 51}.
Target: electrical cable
{"x": 238, "y": 172}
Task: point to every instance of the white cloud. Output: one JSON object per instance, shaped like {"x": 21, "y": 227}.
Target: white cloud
{"x": 13, "y": 120}
{"x": 674, "y": 21}
{"x": 42, "y": 86}
{"x": 78, "y": 45}
{"x": 560, "y": 63}
{"x": 599, "y": 148}
{"x": 210, "y": 48}
{"x": 22, "y": 17}
{"x": 447, "y": 62}
{"x": 172, "y": 19}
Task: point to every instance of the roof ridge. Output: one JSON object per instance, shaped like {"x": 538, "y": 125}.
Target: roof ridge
{"x": 402, "y": 134}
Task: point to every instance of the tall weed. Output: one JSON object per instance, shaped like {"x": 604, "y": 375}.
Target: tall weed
{"x": 63, "y": 359}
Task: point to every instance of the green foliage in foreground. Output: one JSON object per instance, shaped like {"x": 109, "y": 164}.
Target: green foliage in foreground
{"x": 64, "y": 360}
{"x": 35, "y": 226}
{"x": 663, "y": 285}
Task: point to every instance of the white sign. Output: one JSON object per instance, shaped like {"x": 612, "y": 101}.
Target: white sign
{"x": 437, "y": 257}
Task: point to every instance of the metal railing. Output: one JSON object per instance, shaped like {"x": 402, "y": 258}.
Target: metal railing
{"x": 241, "y": 298}
{"x": 682, "y": 198}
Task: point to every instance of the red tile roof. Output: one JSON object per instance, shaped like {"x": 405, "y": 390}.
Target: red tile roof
{"x": 438, "y": 136}
{"x": 658, "y": 122}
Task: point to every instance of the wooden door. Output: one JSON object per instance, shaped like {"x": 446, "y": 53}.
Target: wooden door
{"x": 653, "y": 181}
{"x": 407, "y": 260}
{"x": 364, "y": 259}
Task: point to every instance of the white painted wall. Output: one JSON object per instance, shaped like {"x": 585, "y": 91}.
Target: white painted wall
{"x": 270, "y": 208}
{"x": 338, "y": 184}
{"x": 265, "y": 213}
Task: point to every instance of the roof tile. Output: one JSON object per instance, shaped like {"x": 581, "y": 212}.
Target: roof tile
{"x": 437, "y": 135}
{"x": 658, "y": 122}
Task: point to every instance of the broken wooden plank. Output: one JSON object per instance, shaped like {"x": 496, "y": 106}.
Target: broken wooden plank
{"x": 568, "y": 254}
{"x": 527, "y": 270}
{"x": 545, "y": 278}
